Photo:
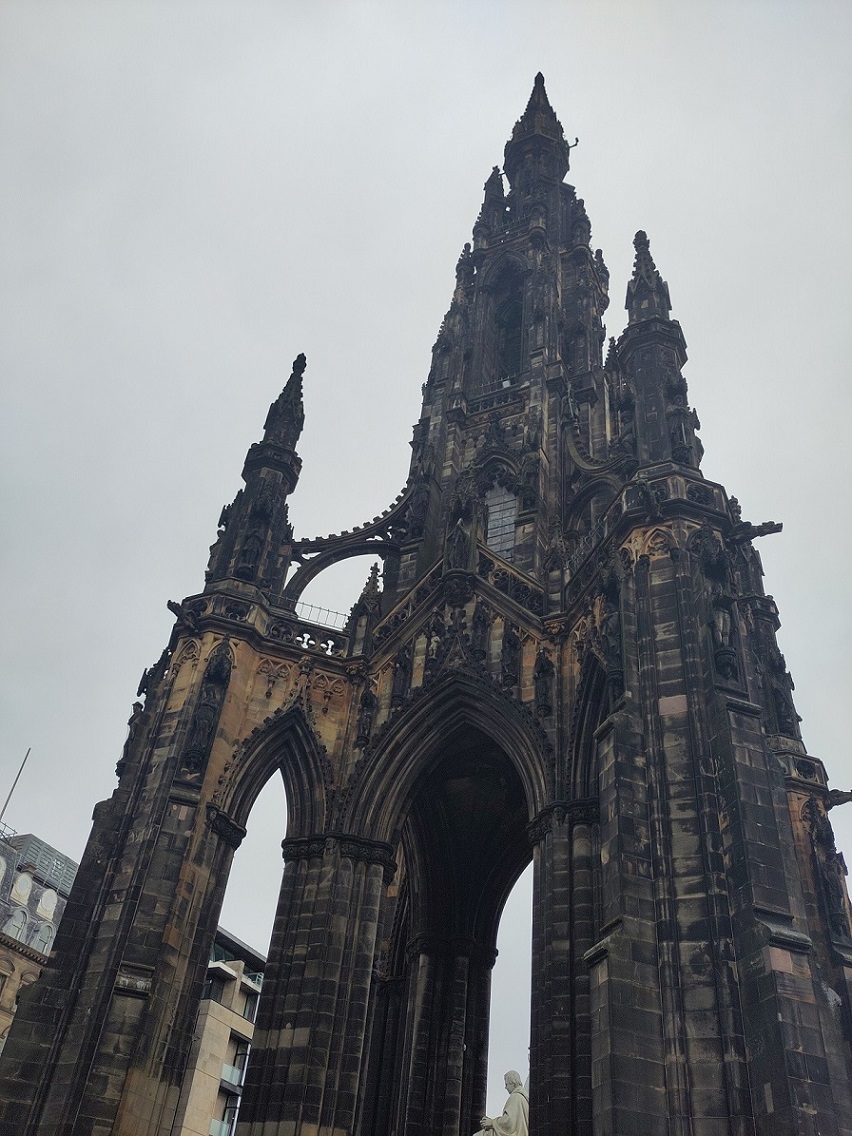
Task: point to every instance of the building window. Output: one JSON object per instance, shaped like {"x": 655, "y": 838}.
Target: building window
{"x": 16, "y": 925}
{"x": 502, "y": 510}
{"x": 214, "y": 988}
{"x": 224, "y": 1123}
{"x": 234, "y": 1067}
{"x": 44, "y": 938}
{"x": 249, "y": 1009}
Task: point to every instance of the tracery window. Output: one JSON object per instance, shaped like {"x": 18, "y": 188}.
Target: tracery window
{"x": 502, "y": 509}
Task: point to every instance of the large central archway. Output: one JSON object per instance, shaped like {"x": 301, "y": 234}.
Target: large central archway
{"x": 460, "y": 814}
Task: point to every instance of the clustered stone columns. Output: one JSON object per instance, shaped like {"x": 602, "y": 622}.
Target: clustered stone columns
{"x": 563, "y": 927}
{"x": 309, "y": 1038}
{"x": 449, "y": 988}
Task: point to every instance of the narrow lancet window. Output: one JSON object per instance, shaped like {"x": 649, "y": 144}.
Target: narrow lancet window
{"x": 509, "y": 326}
{"x": 502, "y": 510}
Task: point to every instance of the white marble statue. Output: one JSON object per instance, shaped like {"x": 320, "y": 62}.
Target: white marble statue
{"x": 515, "y": 1120}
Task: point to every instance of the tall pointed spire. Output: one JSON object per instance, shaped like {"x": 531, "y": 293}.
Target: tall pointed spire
{"x": 537, "y": 133}
{"x": 647, "y": 292}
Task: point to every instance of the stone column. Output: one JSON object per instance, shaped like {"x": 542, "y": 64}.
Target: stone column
{"x": 308, "y": 1050}
{"x": 447, "y": 1063}
{"x": 563, "y": 930}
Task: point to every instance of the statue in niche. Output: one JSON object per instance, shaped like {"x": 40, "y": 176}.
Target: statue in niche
{"x": 722, "y": 627}
{"x": 532, "y": 430}
{"x": 250, "y": 554}
{"x": 480, "y": 630}
{"x": 415, "y": 515}
{"x": 202, "y": 727}
{"x": 543, "y": 682}
{"x": 401, "y": 676}
{"x": 610, "y": 631}
{"x": 458, "y": 546}
{"x": 366, "y": 712}
{"x": 528, "y": 480}
{"x": 715, "y": 561}
{"x": 510, "y": 660}
{"x": 569, "y": 408}
{"x": 437, "y": 630}
{"x": 515, "y": 1120}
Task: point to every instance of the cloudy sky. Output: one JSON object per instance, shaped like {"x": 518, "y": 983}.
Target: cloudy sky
{"x": 193, "y": 193}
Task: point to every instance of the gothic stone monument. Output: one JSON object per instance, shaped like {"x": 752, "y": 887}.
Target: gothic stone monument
{"x": 568, "y": 659}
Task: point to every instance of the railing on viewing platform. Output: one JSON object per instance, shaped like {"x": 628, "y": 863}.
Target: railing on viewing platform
{"x": 322, "y": 616}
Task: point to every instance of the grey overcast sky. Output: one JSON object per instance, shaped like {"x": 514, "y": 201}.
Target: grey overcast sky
{"x": 193, "y": 193}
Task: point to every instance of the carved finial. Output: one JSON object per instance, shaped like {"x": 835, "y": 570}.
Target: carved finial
{"x": 611, "y": 355}
{"x": 286, "y": 416}
{"x": 371, "y": 590}
{"x": 647, "y": 292}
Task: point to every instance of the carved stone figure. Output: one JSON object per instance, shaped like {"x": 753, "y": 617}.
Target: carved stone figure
{"x": 543, "y": 683}
{"x": 437, "y": 630}
{"x": 132, "y": 730}
{"x": 510, "y": 659}
{"x": 570, "y": 411}
{"x": 528, "y": 480}
{"x": 202, "y": 726}
{"x": 184, "y": 616}
{"x": 415, "y": 516}
{"x": 401, "y": 676}
{"x": 250, "y": 554}
{"x": 480, "y": 628}
{"x": 610, "y": 631}
{"x": 458, "y": 546}
{"x": 722, "y": 622}
{"x": 515, "y": 1120}
{"x": 366, "y": 712}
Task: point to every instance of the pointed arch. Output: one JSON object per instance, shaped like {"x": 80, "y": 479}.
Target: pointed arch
{"x": 386, "y": 778}
{"x": 285, "y": 743}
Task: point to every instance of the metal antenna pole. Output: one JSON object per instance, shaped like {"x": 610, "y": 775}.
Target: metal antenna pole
{"x": 14, "y": 783}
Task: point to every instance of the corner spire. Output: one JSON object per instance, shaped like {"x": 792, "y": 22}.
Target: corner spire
{"x": 537, "y": 136}
{"x": 647, "y": 292}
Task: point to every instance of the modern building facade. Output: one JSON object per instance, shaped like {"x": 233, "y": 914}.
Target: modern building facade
{"x": 212, "y": 1089}
{"x": 568, "y": 659}
{"x": 35, "y": 880}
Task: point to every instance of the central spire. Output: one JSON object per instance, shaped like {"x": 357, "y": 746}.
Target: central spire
{"x": 538, "y": 132}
